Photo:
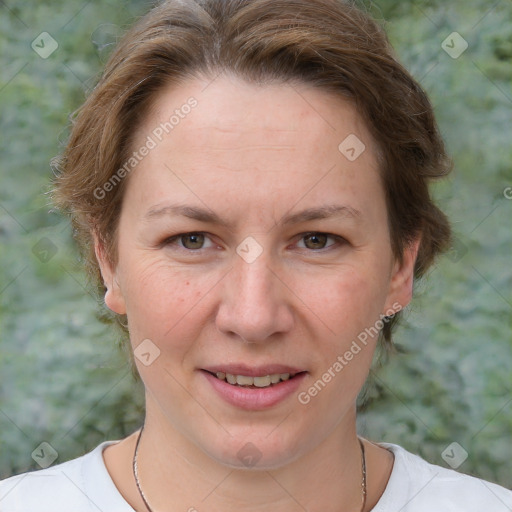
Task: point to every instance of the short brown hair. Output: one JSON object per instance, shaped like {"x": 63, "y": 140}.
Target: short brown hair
{"x": 329, "y": 44}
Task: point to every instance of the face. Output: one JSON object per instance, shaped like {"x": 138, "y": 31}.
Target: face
{"x": 250, "y": 244}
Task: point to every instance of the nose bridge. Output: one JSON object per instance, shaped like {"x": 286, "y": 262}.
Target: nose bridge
{"x": 254, "y": 302}
{"x": 254, "y": 280}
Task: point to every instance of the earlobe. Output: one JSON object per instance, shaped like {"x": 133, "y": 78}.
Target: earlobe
{"x": 114, "y": 299}
{"x": 402, "y": 279}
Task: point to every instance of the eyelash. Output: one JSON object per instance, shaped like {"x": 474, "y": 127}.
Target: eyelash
{"x": 338, "y": 240}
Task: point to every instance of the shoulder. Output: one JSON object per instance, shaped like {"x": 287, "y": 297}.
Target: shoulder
{"x": 81, "y": 485}
{"x": 418, "y": 486}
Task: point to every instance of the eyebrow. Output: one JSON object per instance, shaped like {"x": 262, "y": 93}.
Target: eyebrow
{"x": 191, "y": 212}
{"x": 208, "y": 216}
{"x": 322, "y": 212}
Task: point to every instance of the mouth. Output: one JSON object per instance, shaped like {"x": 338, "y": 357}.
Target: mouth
{"x": 254, "y": 388}
{"x": 247, "y": 381}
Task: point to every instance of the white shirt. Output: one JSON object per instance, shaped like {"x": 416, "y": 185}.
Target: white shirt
{"x": 84, "y": 485}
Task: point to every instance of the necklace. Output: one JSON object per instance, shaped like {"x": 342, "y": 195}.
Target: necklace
{"x": 144, "y": 499}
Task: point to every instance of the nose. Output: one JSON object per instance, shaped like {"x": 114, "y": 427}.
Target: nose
{"x": 255, "y": 304}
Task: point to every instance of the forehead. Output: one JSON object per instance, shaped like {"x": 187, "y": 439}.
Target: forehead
{"x": 228, "y": 110}
{"x": 267, "y": 141}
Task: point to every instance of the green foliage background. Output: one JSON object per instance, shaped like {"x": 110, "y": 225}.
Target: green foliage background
{"x": 64, "y": 379}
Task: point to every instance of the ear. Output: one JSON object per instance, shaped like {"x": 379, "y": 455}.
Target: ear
{"x": 402, "y": 277}
{"x": 113, "y": 296}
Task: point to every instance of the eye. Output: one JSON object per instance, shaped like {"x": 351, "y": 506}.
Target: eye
{"x": 190, "y": 241}
{"x": 316, "y": 240}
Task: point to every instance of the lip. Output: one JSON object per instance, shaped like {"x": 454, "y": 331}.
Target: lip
{"x": 254, "y": 399}
{"x": 253, "y": 371}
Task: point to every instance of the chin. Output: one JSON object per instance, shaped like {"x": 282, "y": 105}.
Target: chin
{"x": 255, "y": 450}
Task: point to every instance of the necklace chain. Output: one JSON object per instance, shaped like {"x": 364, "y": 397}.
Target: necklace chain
{"x": 144, "y": 499}
{"x": 363, "y": 471}
{"x": 136, "y": 472}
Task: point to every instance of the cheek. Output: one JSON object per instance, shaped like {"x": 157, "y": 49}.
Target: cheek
{"x": 164, "y": 302}
{"x": 345, "y": 301}
{"x": 348, "y": 306}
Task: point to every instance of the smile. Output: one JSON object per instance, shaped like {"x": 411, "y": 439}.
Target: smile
{"x": 253, "y": 382}
{"x": 265, "y": 388}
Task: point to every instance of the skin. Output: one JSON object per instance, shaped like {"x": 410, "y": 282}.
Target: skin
{"x": 253, "y": 154}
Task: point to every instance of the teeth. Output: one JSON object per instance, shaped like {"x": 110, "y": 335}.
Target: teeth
{"x": 262, "y": 382}
{"x": 242, "y": 380}
{"x": 259, "y": 382}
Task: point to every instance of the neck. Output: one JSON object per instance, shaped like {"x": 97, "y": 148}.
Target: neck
{"x": 174, "y": 470}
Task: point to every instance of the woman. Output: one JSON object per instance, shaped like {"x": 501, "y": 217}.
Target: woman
{"x": 249, "y": 181}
